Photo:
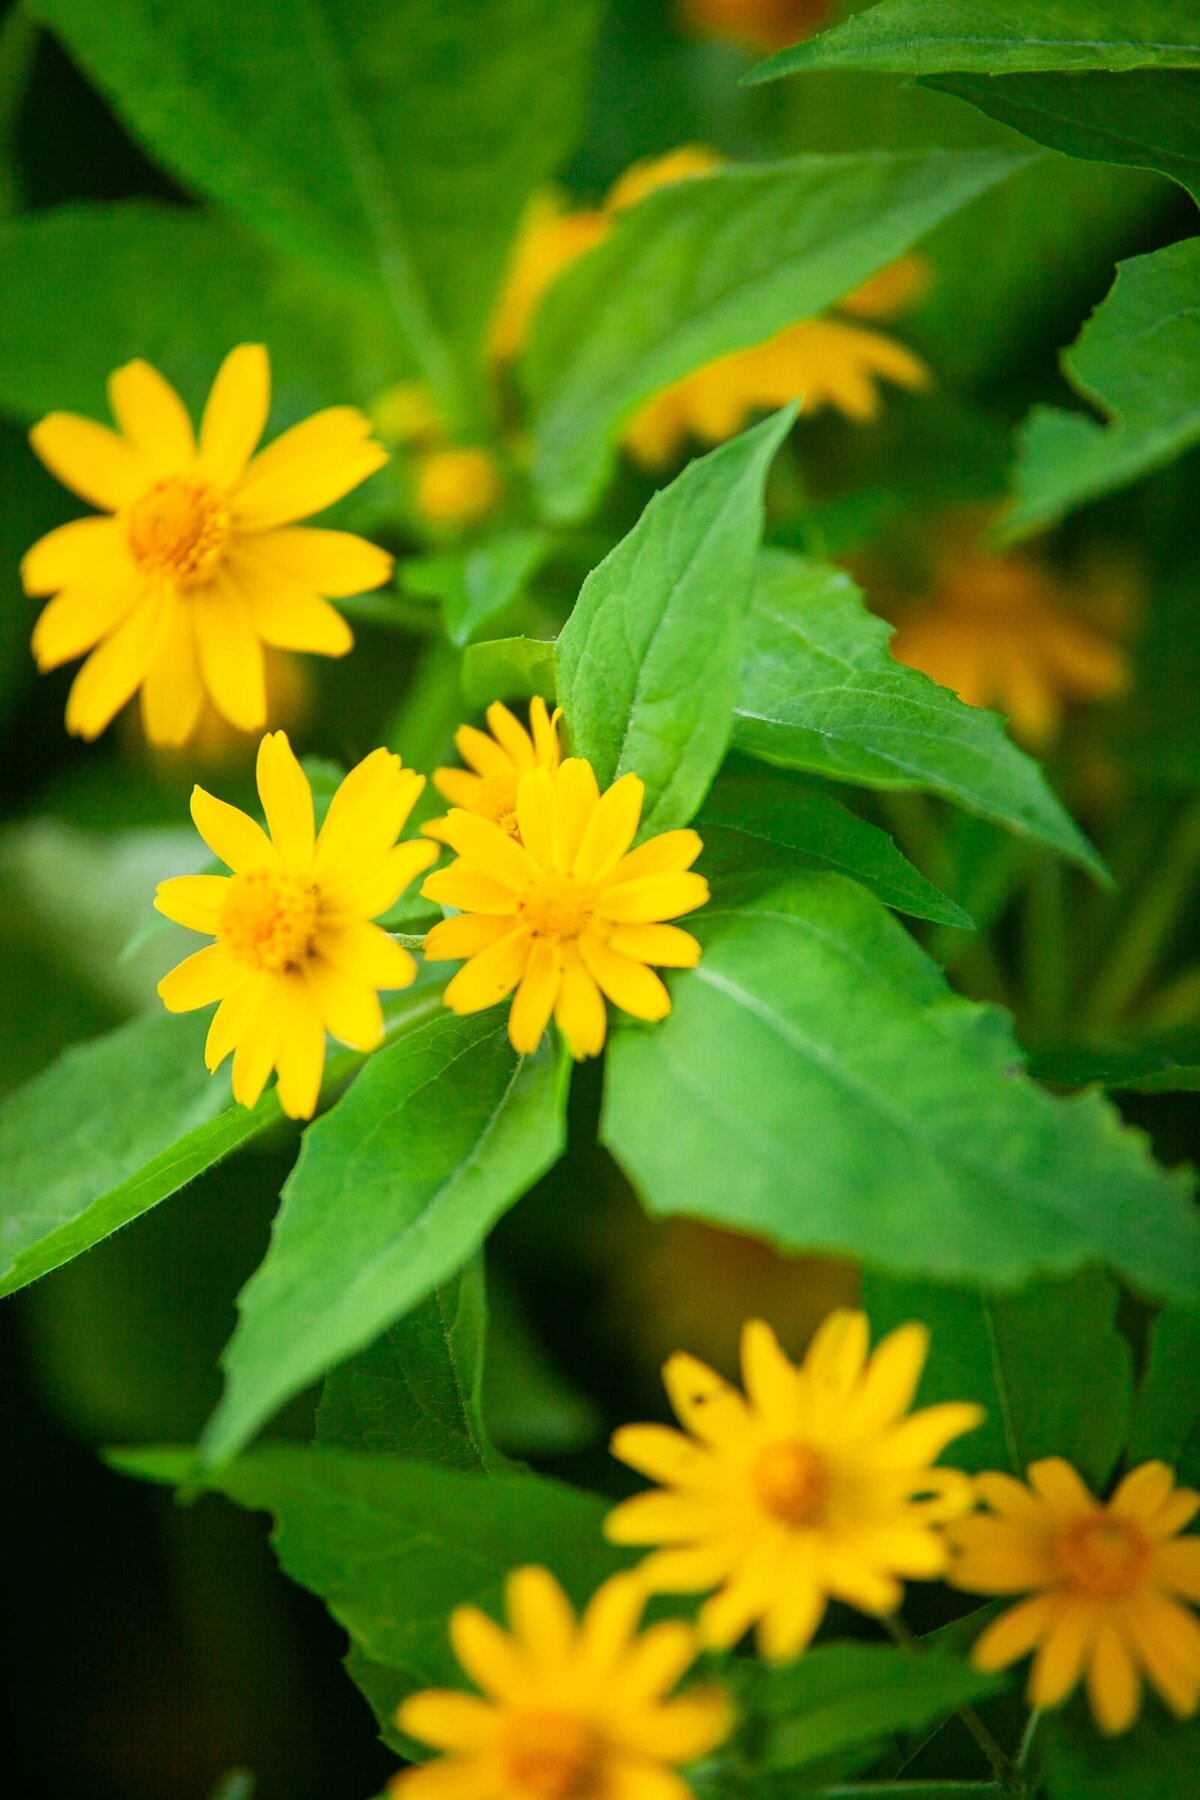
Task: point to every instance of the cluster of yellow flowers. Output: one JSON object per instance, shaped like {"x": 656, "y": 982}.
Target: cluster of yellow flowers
{"x": 816, "y": 1483}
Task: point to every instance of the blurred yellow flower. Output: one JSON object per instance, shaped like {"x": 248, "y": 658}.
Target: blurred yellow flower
{"x": 497, "y": 762}
{"x": 999, "y": 631}
{"x": 566, "y": 913}
{"x": 200, "y": 562}
{"x": 405, "y": 414}
{"x": 458, "y": 486}
{"x": 651, "y": 173}
{"x": 1105, "y": 1581}
{"x": 575, "y": 1709}
{"x": 815, "y": 1485}
{"x": 295, "y": 955}
{"x": 755, "y": 24}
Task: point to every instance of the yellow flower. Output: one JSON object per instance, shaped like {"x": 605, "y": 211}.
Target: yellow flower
{"x": 568, "y": 912}
{"x": 755, "y": 24}
{"x": 549, "y": 239}
{"x": 575, "y": 1709}
{"x": 1105, "y": 1582}
{"x": 458, "y": 487}
{"x": 200, "y": 562}
{"x": 685, "y": 163}
{"x": 823, "y": 362}
{"x": 890, "y": 290}
{"x": 814, "y": 1486}
{"x": 489, "y": 786}
{"x": 295, "y": 955}
{"x": 999, "y": 631}
{"x": 407, "y": 414}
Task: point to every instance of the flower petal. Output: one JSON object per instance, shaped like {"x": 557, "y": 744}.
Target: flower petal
{"x": 490, "y": 976}
{"x": 511, "y": 736}
{"x": 76, "y": 620}
{"x": 610, "y": 829}
{"x": 448, "y": 1721}
{"x": 668, "y": 854}
{"x": 1063, "y": 1491}
{"x": 235, "y": 415}
{"x": 1114, "y": 1685}
{"x": 768, "y": 1376}
{"x": 534, "y": 999}
{"x": 258, "y": 1042}
{"x": 287, "y": 613}
{"x": 367, "y": 953}
{"x": 173, "y": 692}
{"x": 336, "y": 564}
{"x": 705, "y": 1404}
{"x": 463, "y": 936}
{"x": 349, "y": 1008}
{"x": 575, "y": 799}
{"x": 580, "y": 1012}
{"x": 198, "y": 980}
{"x": 232, "y": 835}
{"x": 486, "y": 847}
{"x": 1061, "y": 1654}
{"x": 287, "y": 802}
{"x": 307, "y": 469}
{"x": 472, "y": 892}
{"x": 152, "y": 416}
{"x": 630, "y": 985}
{"x": 664, "y": 945}
{"x": 102, "y": 468}
{"x": 365, "y": 817}
{"x": 663, "y": 1454}
{"x": 1015, "y": 1632}
{"x": 651, "y": 898}
{"x": 535, "y": 815}
{"x": 300, "y": 1057}
{"x": 193, "y": 900}
{"x": 490, "y": 1657}
{"x": 540, "y": 1616}
{"x": 115, "y": 670}
{"x": 231, "y": 657}
{"x": 80, "y": 554}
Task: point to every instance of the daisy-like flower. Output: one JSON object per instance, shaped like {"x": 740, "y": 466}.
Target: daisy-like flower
{"x": 565, "y": 913}
{"x": 573, "y": 1709}
{"x": 815, "y": 1485}
{"x": 199, "y": 561}
{"x": 295, "y": 952}
{"x": 1105, "y": 1582}
{"x": 496, "y": 763}
{"x": 458, "y": 486}
{"x": 757, "y": 25}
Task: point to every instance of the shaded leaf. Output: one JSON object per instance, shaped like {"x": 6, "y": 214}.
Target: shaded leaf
{"x": 1156, "y": 1760}
{"x": 1168, "y": 1063}
{"x": 513, "y": 668}
{"x": 647, "y": 664}
{"x": 1168, "y": 1402}
{"x": 838, "y": 1097}
{"x": 475, "y": 585}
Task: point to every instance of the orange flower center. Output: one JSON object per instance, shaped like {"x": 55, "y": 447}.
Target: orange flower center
{"x": 792, "y": 1482}
{"x": 177, "y": 530}
{"x": 550, "y": 1755}
{"x": 269, "y": 920}
{"x": 1103, "y": 1555}
{"x": 556, "y": 906}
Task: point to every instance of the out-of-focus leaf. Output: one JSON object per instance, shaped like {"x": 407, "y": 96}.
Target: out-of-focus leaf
{"x": 1047, "y": 1364}
{"x": 838, "y": 1097}
{"x": 513, "y": 668}
{"x": 1167, "y": 1412}
{"x": 648, "y": 660}
{"x": 395, "y": 1189}
{"x": 476, "y": 585}
{"x": 921, "y": 37}
{"x": 529, "y": 1405}
{"x": 1168, "y": 1063}
{"x": 705, "y": 267}
{"x": 181, "y": 289}
{"x": 392, "y": 1546}
{"x": 1155, "y": 1761}
{"x": 1145, "y": 118}
{"x": 395, "y": 143}
{"x": 820, "y": 691}
{"x": 774, "y": 822}
{"x": 1138, "y": 362}
{"x": 416, "y": 1391}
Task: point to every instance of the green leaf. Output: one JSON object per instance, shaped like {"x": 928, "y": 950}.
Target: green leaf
{"x": 1155, "y": 1761}
{"x": 396, "y": 144}
{"x": 705, "y": 267}
{"x": 775, "y": 822}
{"x": 1137, "y": 361}
{"x": 475, "y": 585}
{"x": 1168, "y": 1402}
{"x": 392, "y": 1546}
{"x": 417, "y": 1391}
{"x": 530, "y": 1405}
{"x": 921, "y": 37}
{"x": 1168, "y": 1063}
{"x": 394, "y": 1190}
{"x": 180, "y": 288}
{"x": 841, "y": 1700}
{"x": 648, "y": 661}
{"x": 820, "y": 691}
{"x": 1144, "y": 119}
{"x": 1047, "y": 1364}
{"x": 513, "y": 668}
{"x": 838, "y": 1097}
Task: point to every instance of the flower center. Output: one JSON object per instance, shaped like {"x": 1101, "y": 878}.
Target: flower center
{"x": 269, "y": 920}
{"x": 556, "y": 906}
{"x": 792, "y": 1482}
{"x": 550, "y": 1755}
{"x": 177, "y": 530}
{"x": 1103, "y": 1555}
{"x": 498, "y": 801}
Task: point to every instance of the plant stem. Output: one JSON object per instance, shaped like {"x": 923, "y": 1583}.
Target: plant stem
{"x": 1152, "y": 916}
{"x": 1009, "y": 1777}
{"x": 1044, "y": 950}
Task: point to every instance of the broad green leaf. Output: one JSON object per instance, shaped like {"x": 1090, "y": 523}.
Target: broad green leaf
{"x": 417, "y": 1391}
{"x": 921, "y": 37}
{"x": 1137, "y": 361}
{"x": 820, "y": 691}
{"x": 770, "y": 822}
{"x": 709, "y": 266}
{"x": 514, "y": 668}
{"x": 837, "y": 1097}
{"x": 1168, "y": 1063}
{"x": 1146, "y": 118}
{"x": 1156, "y": 1760}
{"x": 840, "y": 1700}
{"x": 180, "y": 288}
{"x": 474, "y": 586}
{"x": 392, "y": 1546}
{"x": 647, "y": 664}
{"x": 1167, "y": 1414}
{"x": 1047, "y": 1364}
{"x": 395, "y": 1189}
{"x": 395, "y": 143}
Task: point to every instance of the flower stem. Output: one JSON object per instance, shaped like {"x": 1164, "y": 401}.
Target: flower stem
{"x": 1152, "y": 917}
{"x": 1007, "y": 1773}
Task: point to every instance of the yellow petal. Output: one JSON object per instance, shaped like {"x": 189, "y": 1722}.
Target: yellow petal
{"x": 575, "y": 799}
{"x": 152, "y": 416}
{"x": 102, "y": 468}
{"x": 1176, "y": 1565}
{"x": 490, "y": 1657}
{"x": 579, "y": 1012}
{"x": 77, "y": 555}
{"x": 373, "y": 888}
{"x": 231, "y": 657}
{"x": 633, "y": 1778}
{"x": 193, "y": 900}
{"x": 1063, "y": 1491}
{"x": 1012, "y": 1500}
{"x": 350, "y": 1009}
{"x": 258, "y": 1042}
{"x": 610, "y": 829}
{"x": 1114, "y": 1686}
{"x": 607, "y": 1631}
{"x": 466, "y": 935}
{"x": 534, "y": 999}
{"x": 1143, "y": 1491}
{"x": 284, "y": 612}
{"x": 890, "y": 1379}
{"x": 455, "y": 1778}
{"x": 668, "y": 854}
{"x": 448, "y": 1720}
{"x": 114, "y": 671}
{"x": 744, "y": 1598}
{"x": 366, "y": 815}
{"x": 76, "y": 620}
{"x": 307, "y": 469}
{"x": 662, "y": 1453}
{"x": 235, "y": 415}
{"x": 838, "y": 1352}
{"x": 490, "y": 976}
{"x": 470, "y": 891}
{"x": 664, "y": 945}
{"x": 1014, "y": 1633}
{"x": 535, "y": 815}
{"x": 923, "y": 1436}
{"x": 705, "y": 1404}
{"x": 511, "y": 735}
{"x": 287, "y": 802}
{"x": 658, "y": 1518}
{"x": 767, "y": 1375}
{"x": 460, "y": 787}
{"x": 679, "y": 1732}
{"x": 540, "y": 1615}
{"x": 300, "y": 1058}
{"x": 173, "y": 692}
{"x": 1061, "y": 1653}
{"x": 630, "y": 985}
{"x": 367, "y": 953}
{"x": 1166, "y": 1640}
{"x": 793, "y": 1612}
{"x": 485, "y": 846}
{"x": 483, "y": 754}
{"x": 232, "y": 835}
{"x": 199, "y": 980}
{"x": 998, "y": 1557}
{"x": 233, "y": 1018}
{"x": 336, "y": 564}
{"x": 651, "y": 898}
{"x": 544, "y": 728}
{"x": 650, "y": 1666}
